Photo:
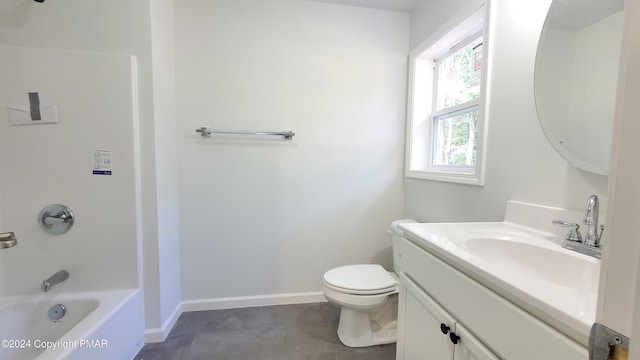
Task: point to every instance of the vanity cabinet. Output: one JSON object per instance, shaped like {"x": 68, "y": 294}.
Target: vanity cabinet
{"x": 487, "y": 325}
{"x": 430, "y": 332}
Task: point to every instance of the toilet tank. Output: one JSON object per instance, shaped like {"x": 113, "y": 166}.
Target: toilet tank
{"x": 396, "y": 234}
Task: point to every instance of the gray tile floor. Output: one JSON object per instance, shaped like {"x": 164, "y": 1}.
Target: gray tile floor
{"x": 286, "y": 332}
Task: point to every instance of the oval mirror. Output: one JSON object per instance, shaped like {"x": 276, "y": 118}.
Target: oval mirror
{"x": 576, "y": 77}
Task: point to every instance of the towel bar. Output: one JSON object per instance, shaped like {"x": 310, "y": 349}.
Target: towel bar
{"x": 205, "y": 131}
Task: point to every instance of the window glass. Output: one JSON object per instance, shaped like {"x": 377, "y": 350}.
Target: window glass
{"x": 455, "y": 138}
{"x": 459, "y": 76}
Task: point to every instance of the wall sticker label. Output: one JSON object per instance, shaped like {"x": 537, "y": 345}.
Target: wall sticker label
{"x": 101, "y": 162}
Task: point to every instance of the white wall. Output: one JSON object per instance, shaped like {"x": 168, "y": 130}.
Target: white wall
{"x": 162, "y": 261}
{"x": 121, "y": 26}
{"x": 265, "y": 216}
{"x": 521, "y": 164}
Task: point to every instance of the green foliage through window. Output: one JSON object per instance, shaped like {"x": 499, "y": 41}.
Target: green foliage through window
{"x": 456, "y": 139}
{"x": 456, "y": 106}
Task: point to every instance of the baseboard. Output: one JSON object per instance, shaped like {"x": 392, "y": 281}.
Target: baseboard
{"x": 252, "y": 301}
{"x": 160, "y": 334}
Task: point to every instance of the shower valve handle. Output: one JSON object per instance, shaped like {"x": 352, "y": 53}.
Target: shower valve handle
{"x": 56, "y": 219}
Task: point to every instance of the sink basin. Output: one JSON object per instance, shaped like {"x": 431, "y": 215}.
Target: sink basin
{"x": 551, "y": 265}
{"x": 528, "y": 267}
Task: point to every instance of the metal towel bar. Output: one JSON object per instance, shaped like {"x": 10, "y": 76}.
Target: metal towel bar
{"x": 205, "y": 131}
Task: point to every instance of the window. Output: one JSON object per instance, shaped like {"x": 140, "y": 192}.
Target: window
{"x": 447, "y": 103}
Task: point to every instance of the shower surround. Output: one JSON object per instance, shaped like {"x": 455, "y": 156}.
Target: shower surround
{"x": 42, "y": 164}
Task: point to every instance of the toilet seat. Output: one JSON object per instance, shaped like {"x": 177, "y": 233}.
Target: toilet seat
{"x": 366, "y": 279}
{"x": 361, "y": 292}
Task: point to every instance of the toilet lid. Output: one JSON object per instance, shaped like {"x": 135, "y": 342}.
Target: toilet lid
{"x": 369, "y": 277}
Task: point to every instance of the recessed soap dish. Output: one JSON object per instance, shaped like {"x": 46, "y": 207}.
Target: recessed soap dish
{"x": 8, "y": 240}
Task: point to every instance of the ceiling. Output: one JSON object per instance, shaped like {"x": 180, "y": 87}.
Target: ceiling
{"x": 393, "y": 5}
{"x": 567, "y": 14}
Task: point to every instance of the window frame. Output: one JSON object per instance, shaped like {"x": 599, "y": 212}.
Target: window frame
{"x": 457, "y": 32}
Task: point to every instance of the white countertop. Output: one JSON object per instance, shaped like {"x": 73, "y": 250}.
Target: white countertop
{"x": 527, "y": 267}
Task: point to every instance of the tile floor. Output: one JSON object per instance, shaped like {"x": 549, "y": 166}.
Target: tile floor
{"x": 286, "y": 332}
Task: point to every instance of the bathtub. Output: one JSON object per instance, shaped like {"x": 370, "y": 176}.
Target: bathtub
{"x": 97, "y": 325}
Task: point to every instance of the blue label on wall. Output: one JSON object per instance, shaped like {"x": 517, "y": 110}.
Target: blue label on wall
{"x": 102, "y": 162}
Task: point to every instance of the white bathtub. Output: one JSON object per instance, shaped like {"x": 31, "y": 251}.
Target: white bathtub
{"x": 97, "y": 325}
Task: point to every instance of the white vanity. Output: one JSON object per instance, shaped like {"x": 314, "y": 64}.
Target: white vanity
{"x": 494, "y": 290}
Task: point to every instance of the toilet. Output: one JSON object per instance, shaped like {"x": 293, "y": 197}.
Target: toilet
{"x": 368, "y": 297}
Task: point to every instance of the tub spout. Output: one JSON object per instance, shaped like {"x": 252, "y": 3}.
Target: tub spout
{"x": 55, "y": 279}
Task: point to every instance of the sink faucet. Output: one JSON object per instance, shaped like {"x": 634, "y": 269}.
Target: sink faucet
{"x": 591, "y": 244}
{"x": 592, "y": 238}
{"x": 55, "y": 279}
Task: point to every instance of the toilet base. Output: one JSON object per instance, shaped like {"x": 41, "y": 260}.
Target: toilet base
{"x": 361, "y": 329}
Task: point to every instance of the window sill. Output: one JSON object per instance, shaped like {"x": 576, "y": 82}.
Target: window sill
{"x": 451, "y": 177}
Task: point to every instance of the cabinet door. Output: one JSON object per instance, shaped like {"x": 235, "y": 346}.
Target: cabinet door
{"x": 469, "y": 347}
{"x": 424, "y": 326}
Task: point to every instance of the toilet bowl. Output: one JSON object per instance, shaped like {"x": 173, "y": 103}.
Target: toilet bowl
{"x": 368, "y": 297}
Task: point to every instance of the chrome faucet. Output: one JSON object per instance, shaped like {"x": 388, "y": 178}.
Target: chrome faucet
{"x": 592, "y": 238}
{"x": 55, "y": 279}
{"x": 591, "y": 244}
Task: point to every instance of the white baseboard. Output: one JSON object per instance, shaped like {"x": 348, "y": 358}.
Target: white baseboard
{"x": 160, "y": 334}
{"x": 252, "y": 301}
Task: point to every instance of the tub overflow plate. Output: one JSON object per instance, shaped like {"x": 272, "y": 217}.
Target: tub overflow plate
{"x": 57, "y": 311}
